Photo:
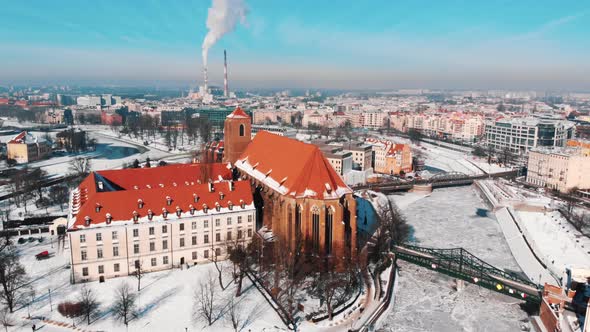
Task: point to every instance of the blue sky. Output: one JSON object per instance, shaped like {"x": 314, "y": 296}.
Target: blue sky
{"x": 318, "y": 44}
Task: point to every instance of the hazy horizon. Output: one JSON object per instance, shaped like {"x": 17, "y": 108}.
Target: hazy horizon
{"x": 529, "y": 45}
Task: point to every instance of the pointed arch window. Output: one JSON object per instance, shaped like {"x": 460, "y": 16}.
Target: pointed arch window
{"x": 242, "y": 130}
{"x": 315, "y": 233}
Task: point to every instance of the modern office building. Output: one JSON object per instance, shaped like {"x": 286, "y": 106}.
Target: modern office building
{"x": 519, "y": 135}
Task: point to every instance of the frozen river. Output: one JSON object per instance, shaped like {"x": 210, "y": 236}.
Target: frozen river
{"x": 428, "y": 301}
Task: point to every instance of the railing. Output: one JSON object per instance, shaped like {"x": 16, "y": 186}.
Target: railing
{"x": 461, "y": 264}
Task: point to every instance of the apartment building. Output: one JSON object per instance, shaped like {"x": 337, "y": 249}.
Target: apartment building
{"x": 390, "y": 158}
{"x": 26, "y": 147}
{"x": 361, "y": 155}
{"x": 155, "y": 219}
{"x": 559, "y": 168}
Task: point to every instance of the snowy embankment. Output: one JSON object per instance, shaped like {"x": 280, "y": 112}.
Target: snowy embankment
{"x": 521, "y": 243}
{"x": 523, "y": 254}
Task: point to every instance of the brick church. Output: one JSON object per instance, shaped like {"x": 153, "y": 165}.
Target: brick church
{"x": 299, "y": 197}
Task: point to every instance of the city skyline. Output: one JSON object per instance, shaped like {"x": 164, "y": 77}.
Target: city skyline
{"x": 348, "y": 45}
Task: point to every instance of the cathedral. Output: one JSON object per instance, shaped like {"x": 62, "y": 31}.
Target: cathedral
{"x": 299, "y": 197}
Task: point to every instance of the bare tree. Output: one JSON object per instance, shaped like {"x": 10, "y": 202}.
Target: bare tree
{"x": 59, "y": 194}
{"x": 13, "y": 278}
{"x": 234, "y": 314}
{"x": 291, "y": 264}
{"x": 124, "y": 306}
{"x": 89, "y": 302}
{"x": 138, "y": 273}
{"x": 6, "y": 319}
{"x": 213, "y": 257}
{"x": 205, "y": 300}
{"x": 80, "y": 167}
{"x": 241, "y": 256}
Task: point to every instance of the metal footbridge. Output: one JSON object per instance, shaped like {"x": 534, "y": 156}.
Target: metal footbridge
{"x": 461, "y": 264}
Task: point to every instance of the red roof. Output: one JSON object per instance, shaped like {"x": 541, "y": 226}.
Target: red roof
{"x": 178, "y": 174}
{"x": 19, "y": 139}
{"x": 121, "y": 204}
{"x": 291, "y": 167}
{"x": 117, "y": 191}
{"x": 238, "y": 113}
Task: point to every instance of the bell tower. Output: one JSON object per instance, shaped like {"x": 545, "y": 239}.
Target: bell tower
{"x": 237, "y": 134}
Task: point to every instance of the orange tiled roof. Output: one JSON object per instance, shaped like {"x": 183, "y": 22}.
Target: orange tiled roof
{"x": 178, "y": 174}
{"x": 122, "y": 204}
{"x": 291, "y": 167}
{"x": 119, "y": 191}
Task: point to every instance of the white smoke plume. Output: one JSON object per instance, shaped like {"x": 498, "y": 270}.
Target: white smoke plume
{"x": 223, "y": 17}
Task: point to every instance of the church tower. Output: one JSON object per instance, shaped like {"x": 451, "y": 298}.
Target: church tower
{"x": 237, "y": 132}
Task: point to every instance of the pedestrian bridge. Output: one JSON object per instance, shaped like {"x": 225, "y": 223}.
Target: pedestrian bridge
{"x": 461, "y": 264}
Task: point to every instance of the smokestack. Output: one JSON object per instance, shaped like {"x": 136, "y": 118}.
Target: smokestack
{"x": 223, "y": 16}
{"x": 225, "y": 86}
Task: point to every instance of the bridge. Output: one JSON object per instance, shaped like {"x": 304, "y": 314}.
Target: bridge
{"x": 461, "y": 264}
{"x": 442, "y": 180}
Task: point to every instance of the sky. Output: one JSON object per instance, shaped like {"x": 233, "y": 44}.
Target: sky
{"x": 341, "y": 44}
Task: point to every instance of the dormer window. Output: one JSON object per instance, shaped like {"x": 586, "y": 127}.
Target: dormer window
{"x": 195, "y": 198}
{"x": 87, "y": 221}
{"x": 140, "y": 203}
{"x": 97, "y": 207}
{"x": 168, "y": 200}
{"x": 211, "y": 189}
{"x": 178, "y": 211}
{"x": 242, "y": 204}
{"x": 109, "y": 218}
{"x": 230, "y": 205}
{"x": 191, "y": 209}
{"x": 221, "y": 195}
{"x": 164, "y": 213}
{"x": 100, "y": 185}
{"x": 150, "y": 215}
{"x": 217, "y": 206}
{"x": 174, "y": 184}
{"x": 205, "y": 208}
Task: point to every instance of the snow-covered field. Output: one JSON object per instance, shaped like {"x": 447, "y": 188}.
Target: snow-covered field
{"x": 165, "y": 302}
{"x": 426, "y": 300}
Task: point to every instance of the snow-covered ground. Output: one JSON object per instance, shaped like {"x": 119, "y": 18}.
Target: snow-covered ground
{"x": 165, "y": 302}
{"x": 426, "y": 300}
{"x": 556, "y": 240}
{"x": 552, "y": 238}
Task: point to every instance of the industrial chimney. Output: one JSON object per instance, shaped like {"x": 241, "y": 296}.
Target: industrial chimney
{"x": 225, "y": 86}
